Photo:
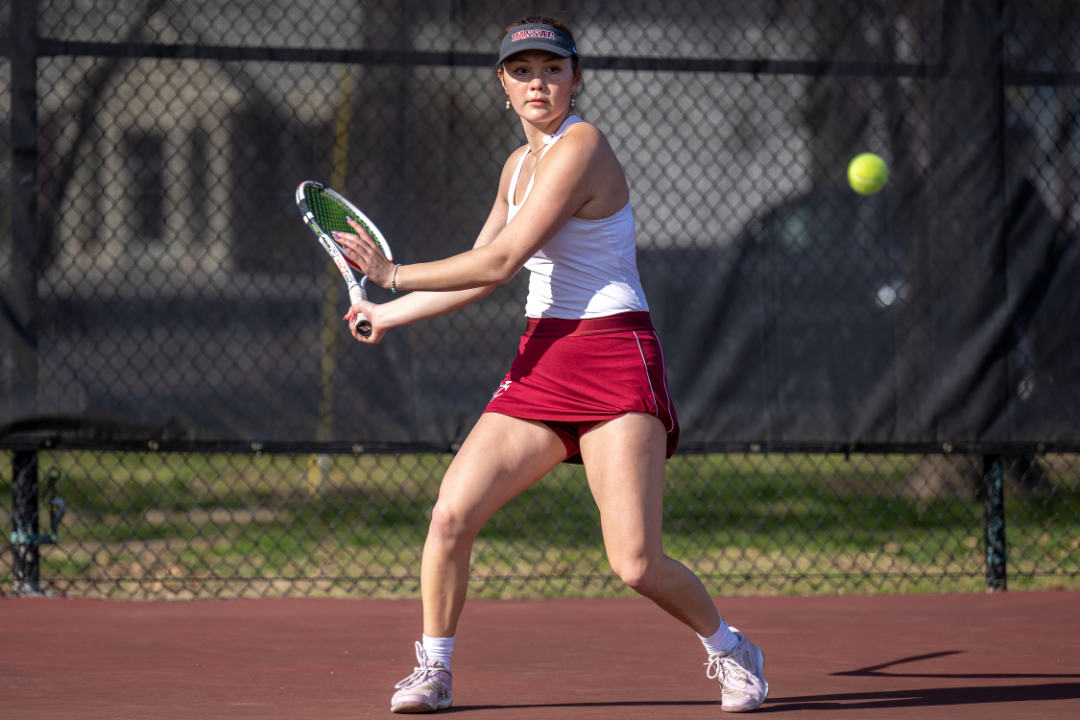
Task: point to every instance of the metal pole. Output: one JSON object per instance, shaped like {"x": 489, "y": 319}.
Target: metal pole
{"x": 994, "y": 502}
{"x": 18, "y": 336}
{"x": 26, "y": 558}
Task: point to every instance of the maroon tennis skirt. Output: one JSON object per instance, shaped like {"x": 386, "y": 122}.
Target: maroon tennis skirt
{"x": 574, "y": 374}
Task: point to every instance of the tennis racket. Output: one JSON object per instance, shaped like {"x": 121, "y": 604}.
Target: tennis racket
{"x": 325, "y": 211}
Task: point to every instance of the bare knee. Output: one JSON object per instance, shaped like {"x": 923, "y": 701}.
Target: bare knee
{"x": 638, "y": 571}
{"x": 449, "y": 526}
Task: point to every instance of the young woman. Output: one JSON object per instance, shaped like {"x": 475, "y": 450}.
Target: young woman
{"x": 588, "y": 383}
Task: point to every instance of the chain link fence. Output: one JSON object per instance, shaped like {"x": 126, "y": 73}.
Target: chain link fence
{"x": 878, "y": 394}
{"x": 193, "y": 525}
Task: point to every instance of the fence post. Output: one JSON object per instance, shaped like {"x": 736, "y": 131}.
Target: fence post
{"x": 18, "y": 333}
{"x": 25, "y": 551}
{"x": 994, "y": 503}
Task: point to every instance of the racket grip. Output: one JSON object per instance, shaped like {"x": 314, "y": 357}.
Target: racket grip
{"x": 356, "y": 294}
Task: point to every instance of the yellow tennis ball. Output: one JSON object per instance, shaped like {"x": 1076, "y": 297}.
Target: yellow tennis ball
{"x": 867, "y": 173}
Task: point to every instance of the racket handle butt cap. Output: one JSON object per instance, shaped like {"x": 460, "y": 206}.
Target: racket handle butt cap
{"x": 363, "y": 326}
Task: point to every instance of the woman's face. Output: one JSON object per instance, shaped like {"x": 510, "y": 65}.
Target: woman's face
{"x": 539, "y": 85}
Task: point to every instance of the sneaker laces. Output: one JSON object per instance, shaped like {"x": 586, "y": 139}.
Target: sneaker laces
{"x": 722, "y": 667}
{"x": 425, "y": 671}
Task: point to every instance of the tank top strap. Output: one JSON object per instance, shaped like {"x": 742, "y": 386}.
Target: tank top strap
{"x": 549, "y": 140}
{"x": 514, "y": 182}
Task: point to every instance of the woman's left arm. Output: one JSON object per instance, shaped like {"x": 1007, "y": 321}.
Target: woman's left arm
{"x": 572, "y": 173}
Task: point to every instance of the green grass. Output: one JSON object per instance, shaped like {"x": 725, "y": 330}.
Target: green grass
{"x": 177, "y": 525}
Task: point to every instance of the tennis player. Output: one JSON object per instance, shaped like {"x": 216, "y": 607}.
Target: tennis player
{"x": 587, "y": 385}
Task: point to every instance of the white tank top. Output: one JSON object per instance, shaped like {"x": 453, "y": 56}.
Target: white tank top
{"x": 588, "y": 269}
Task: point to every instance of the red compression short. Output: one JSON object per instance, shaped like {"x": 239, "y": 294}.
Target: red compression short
{"x": 575, "y": 374}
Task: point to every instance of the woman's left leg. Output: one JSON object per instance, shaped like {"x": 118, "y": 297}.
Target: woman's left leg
{"x": 624, "y": 460}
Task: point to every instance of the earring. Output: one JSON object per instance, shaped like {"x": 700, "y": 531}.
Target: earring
{"x": 507, "y": 102}
{"x": 571, "y": 102}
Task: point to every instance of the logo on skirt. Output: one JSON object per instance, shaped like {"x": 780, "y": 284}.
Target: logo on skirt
{"x": 503, "y": 387}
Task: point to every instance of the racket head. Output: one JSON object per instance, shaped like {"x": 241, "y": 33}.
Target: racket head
{"x": 328, "y": 211}
{"x": 325, "y": 208}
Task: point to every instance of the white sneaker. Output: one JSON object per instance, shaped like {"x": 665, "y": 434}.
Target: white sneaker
{"x": 740, "y": 673}
{"x": 426, "y": 690}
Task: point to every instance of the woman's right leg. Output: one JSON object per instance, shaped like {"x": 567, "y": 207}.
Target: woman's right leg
{"x": 501, "y": 457}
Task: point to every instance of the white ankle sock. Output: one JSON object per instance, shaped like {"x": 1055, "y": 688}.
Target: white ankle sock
{"x": 439, "y": 648}
{"x": 720, "y": 642}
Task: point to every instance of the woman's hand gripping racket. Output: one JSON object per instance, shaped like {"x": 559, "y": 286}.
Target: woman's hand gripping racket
{"x": 326, "y": 212}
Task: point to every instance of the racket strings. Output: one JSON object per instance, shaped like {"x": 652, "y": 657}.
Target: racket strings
{"x": 331, "y": 215}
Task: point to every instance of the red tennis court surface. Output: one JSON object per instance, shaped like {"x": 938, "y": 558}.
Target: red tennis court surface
{"x": 1010, "y": 655}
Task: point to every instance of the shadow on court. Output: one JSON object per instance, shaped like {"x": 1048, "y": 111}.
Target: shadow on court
{"x": 930, "y": 697}
{"x": 937, "y": 697}
{"x": 945, "y": 656}
{"x": 878, "y": 670}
